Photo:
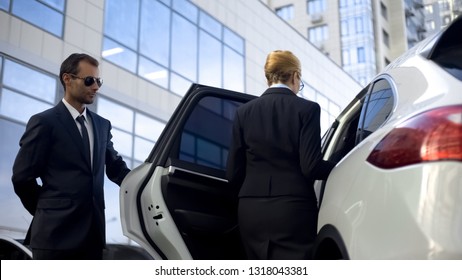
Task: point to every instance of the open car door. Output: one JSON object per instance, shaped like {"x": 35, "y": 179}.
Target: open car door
{"x": 178, "y": 204}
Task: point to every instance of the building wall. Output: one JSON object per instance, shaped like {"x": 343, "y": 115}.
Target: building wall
{"x": 124, "y": 91}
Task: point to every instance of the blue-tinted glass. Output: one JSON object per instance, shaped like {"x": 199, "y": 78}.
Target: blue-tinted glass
{"x": 224, "y": 157}
{"x": 5, "y": 5}
{"x": 210, "y": 24}
{"x": 361, "y": 55}
{"x": 233, "y": 70}
{"x": 229, "y": 109}
{"x": 142, "y": 148}
{"x": 378, "y": 109}
{"x": 147, "y": 127}
{"x": 14, "y": 216}
{"x": 40, "y": 15}
{"x": 233, "y": 40}
{"x": 208, "y": 151}
{"x": 153, "y": 72}
{"x": 119, "y": 55}
{"x": 155, "y": 31}
{"x": 166, "y": 2}
{"x": 207, "y": 133}
{"x": 210, "y": 64}
{"x": 121, "y": 21}
{"x": 120, "y": 116}
{"x": 12, "y": 101}
{"x": 57, "y": 4}
{"x": 123, "y": 142}
{"x": 179, "y": 85}
{"x": 184, "y": 47}
{"x": 29, "y": 81}
{"x": 186, "y": 157}
{"x": 188, "y": 144}
{"x": 187, "y": 9}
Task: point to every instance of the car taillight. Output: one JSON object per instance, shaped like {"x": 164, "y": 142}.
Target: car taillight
{"x": 430, "y": 136}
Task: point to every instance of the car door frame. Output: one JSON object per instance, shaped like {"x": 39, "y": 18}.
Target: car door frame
{"x": 159, "y": 157}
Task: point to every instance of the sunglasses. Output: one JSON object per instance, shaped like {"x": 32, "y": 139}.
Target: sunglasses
{"x": 89, "y": 80}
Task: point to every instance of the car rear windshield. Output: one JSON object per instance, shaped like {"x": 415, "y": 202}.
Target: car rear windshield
{"x": 451, "y": 61}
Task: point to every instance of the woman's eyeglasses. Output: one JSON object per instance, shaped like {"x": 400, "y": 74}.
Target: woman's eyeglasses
{"x": 89, "y": 80}
{"x": 302, "y": 85}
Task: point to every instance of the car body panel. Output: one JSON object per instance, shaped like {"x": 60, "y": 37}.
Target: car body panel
{"x": 157, "y": 219}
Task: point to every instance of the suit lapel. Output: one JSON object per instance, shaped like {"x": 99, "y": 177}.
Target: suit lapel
{"x": 96, "y": 136}
{"x": 65, "y": 118}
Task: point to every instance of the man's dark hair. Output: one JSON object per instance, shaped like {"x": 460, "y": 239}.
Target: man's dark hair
{"x": 71, "y": 64}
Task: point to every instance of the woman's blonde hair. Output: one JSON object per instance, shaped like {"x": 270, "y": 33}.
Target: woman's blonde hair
{"x": 280, "y": 65}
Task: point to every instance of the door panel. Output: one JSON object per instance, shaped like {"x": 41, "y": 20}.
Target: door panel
{"x": 205, "y": 211}
{"x": 183, "y": 206}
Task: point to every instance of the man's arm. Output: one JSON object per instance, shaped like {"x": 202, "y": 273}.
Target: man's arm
{"x": 116, "y": 168}
{"x": 30, "y": 161}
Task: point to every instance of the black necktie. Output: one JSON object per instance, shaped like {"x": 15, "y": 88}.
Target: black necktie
{"x": 85, "y": 138}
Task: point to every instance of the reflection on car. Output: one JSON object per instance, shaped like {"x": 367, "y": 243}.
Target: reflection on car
{"x": 394, "y": 194}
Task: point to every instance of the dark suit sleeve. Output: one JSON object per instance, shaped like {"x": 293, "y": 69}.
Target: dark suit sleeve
{"x": 30, "y": 161}
{"x": 235, "y": 171}
{"x": 116, "y": 168}
{"x": 311, "y": 162}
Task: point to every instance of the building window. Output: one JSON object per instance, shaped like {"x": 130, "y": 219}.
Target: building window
{"x": 346, "y": 57}
{"x": 444, "y": 5}
{"x": 386, "y": 38}
{"x": 383, "y": 10}
{"x": 446, "y": 20}
{"x": 134, "y": 132}
{"x": 344, "y": 28}
{"x": 150, "y": 39}
{"x": 359, "y": 26}
{"x": 24, "y": 91}
{"x": 45, "y": 14}
{"x": 316, "y": 6}
{"x": 318, "y": 34}
{"x": 329, "y": 109}
{"x": 429, "y": 9}
{"x": 361, "y": 55}
{"x": 286, "y": 12}
{"x": 343, "y": 3}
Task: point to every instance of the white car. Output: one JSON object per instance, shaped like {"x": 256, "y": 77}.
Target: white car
{"x": 396, "y": 192}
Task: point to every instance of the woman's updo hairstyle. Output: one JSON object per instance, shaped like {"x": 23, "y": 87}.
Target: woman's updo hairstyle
{"x": 280, "y": 65}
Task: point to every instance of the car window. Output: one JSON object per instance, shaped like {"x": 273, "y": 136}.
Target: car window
{"x": 207, "y": 132}
{"x": 378, "y": 105}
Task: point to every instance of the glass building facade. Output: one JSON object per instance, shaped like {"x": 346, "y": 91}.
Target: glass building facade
{"x": 357, "y": 39}
{"x": 148, "y": 40}
{"x": 150, "y": 53}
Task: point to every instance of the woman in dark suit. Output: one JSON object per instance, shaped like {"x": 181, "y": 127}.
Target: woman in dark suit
{"x": 274, "y": 158}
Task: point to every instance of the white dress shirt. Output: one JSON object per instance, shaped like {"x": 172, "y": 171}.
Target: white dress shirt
{"x": 88, "y": 124}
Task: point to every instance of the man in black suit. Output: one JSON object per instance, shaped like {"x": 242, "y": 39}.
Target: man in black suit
{"x": 68, "y": 147}
{"x": 274, "y": 158}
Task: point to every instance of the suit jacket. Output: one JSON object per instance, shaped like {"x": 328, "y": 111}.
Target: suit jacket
{"x": 276, "y": 146}
{"x": 71, "y": 197}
